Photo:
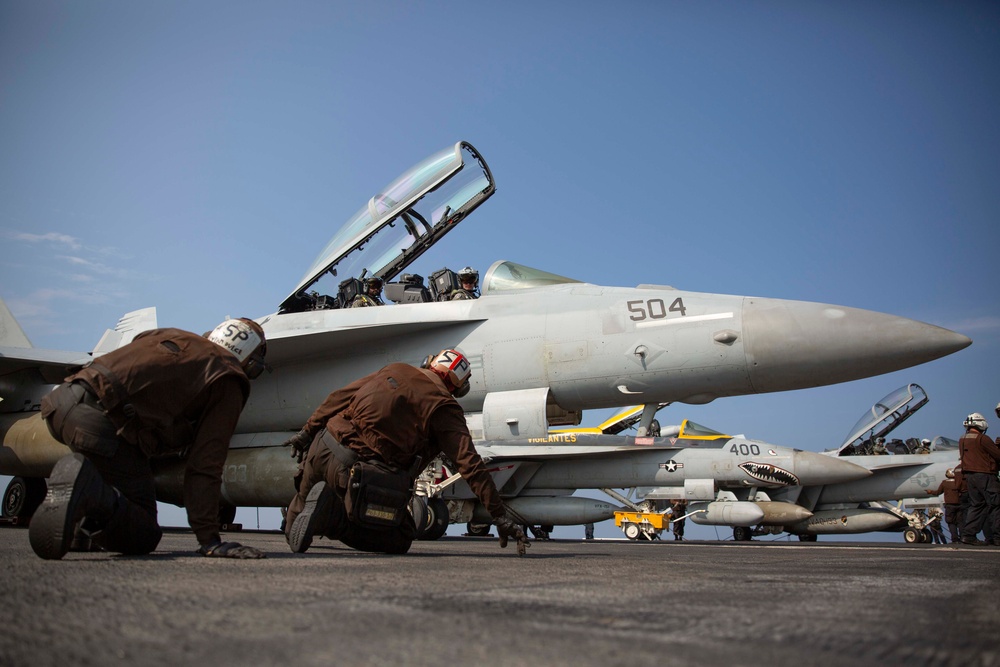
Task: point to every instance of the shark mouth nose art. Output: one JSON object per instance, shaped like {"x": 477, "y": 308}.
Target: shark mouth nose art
{"x": 771, "y": 474}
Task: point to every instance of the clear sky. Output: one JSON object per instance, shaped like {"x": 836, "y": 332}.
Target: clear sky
{"x": 197, "y": 156}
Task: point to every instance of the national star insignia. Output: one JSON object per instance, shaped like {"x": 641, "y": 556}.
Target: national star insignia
{"x": 671, "y": 465}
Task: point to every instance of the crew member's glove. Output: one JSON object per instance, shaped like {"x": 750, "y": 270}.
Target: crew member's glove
{"x": 508, "y": 528}
{"x": 299, "y": 443}
{"x": 221, "y": 549}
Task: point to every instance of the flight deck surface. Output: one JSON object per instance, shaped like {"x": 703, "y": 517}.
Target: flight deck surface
{"x": 464, "y": 601}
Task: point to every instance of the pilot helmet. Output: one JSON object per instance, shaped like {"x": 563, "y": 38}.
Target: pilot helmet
{"x": 372, "y": 282}
{"x": 245, "y": 339}
{"x": 469, "y": 275}
{"x": 976, "y": 421}
{"x": 453, "y": 367}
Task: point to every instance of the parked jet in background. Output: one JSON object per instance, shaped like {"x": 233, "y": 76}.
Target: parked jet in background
{"x": 544, "y": 348}
{"x": 854, "y": 506}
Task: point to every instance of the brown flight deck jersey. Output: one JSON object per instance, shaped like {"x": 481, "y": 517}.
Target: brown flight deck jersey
{"x": 979, "y": 453}
{"x": 952, "y": 489}
{"x": 400, "y": 413}
{"x": 171, "y": 391}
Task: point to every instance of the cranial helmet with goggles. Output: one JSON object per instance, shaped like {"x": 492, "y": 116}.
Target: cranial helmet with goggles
{"x": 976, "y": 421}
{"x": 453, "y": 367}
{"x": 245, "y": 339}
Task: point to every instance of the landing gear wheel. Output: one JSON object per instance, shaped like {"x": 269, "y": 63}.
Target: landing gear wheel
{"x": 926, "y": 536}
{"x": 478, "y": 529}
{"x": 742, "y": 534}
{"x": 912, "y": 536}
{"x": 631, "y": 531}
{"x": 430, "y": 516}
{"x": 807, "y": 538}
{"x": 22, "y": 498}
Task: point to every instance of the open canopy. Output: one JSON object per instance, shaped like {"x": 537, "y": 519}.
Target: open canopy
{"x": 400, "y": 222}
{"x": 883, "y": 417}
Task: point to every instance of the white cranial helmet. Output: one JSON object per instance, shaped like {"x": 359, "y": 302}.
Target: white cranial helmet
{"x": 976, "y": 421}
{"x": 245, "y": 339}
{"x": 453, "y": 368}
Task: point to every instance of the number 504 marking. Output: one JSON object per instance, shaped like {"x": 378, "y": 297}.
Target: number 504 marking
{"x": 654, "y": 309}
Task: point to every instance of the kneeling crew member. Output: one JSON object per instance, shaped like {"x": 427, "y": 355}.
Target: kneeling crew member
{"x": 167, "y": 392}
{"x": 401, "y": 416}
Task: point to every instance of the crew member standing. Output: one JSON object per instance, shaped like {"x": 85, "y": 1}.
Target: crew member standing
{"x": 396, "y": 419}
{"x": 167, "y": 392}
{"x": 980, "y": 458}
{"x": 679, "y": 508}
{"x": 953, "y": 486}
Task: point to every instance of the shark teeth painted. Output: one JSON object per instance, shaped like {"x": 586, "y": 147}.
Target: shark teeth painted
{"x": 769, "y": 473}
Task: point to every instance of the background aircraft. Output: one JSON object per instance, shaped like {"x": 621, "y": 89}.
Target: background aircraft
{"x": 853, "y": 506}
{"x": 543, "y": 347}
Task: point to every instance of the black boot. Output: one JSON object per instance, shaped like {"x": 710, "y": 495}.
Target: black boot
{"x": 313, "y": 518}
{"x": 75, "y": 490}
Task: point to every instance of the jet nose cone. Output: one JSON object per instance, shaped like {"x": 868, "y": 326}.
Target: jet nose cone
{"x": 814, "y": 468}
{"x": 798, "y": 344}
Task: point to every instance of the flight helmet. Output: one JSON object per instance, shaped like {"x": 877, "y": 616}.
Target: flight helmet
{"x": 976, "y": 421}
{"x": 453, "y": 367}
{"x": 372, "y": 282}
{"x": 469, "y": 275}
{"x": 245, "y": 339}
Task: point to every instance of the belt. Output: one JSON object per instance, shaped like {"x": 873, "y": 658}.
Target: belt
{"x": 86, "y": 395}
{"x": 341, "y": 453}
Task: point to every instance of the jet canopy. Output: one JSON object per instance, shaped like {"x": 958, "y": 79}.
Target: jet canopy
{"x": 503, "y": 276}
{"x": 882, "y": 418}
{"x": 398, "y": 224}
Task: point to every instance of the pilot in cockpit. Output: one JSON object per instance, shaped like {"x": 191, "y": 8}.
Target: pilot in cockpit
{"x": 370, "y": 295}
{"x": 468, "y": 279}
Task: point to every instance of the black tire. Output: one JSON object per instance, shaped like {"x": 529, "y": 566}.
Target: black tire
{"x": 430, "y": 516}
{"x": 22, "y": 498}
{"x": 926, "y": 536}
{"x": 478, "y": 529}
{"x": 912, "y": 536}
{"x": 742, "y": 534}
{"x": 808, "y": 538}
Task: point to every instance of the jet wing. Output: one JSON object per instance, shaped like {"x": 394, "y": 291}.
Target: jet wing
{"x": 17, "y": 355}
{"x": 399, "y": 223}
{"x": 582, "y": 445}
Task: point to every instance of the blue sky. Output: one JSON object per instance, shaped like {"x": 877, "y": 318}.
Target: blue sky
{"x": 197, "y": 156}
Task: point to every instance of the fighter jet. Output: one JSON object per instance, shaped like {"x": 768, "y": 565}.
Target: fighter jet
{"x": 543, "y": 347}
{"x": 540, "y": 475}
{"x": 850, "y": 506}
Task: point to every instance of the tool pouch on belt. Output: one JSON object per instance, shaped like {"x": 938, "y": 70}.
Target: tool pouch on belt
{"x": 57, "y": 404}
{"x": 377, "y": 494}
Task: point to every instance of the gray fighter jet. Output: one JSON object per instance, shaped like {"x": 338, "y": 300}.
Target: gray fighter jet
{"x": 544, "y": 347}
{"x": 850, "y": 506}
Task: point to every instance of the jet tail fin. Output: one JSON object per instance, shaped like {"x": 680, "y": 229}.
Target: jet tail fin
{"x": 11, "y": 333}
{"x": 128, "y": 327}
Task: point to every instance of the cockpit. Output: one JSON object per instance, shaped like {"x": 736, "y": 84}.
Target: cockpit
{"x": 396, "y": 226}
{"x": 868, "y": 435}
